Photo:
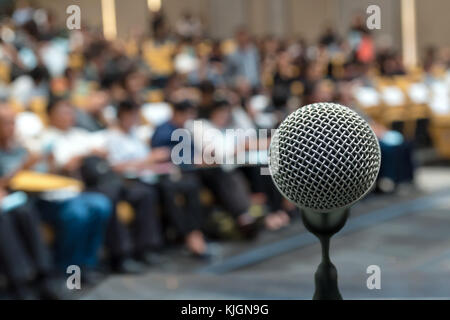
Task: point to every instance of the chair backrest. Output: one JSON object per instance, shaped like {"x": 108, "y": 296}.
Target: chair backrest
{"x": 392, "y": 96}
{"x": 440, "y": 98}
{"x": 418, "y": 93}
{"x": 367, "y": 97}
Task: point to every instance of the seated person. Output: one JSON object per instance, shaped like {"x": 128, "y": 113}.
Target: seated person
{"x": 185, "y": 184}
{"x": 128, "y": 153}
{"x": 227, "y": 184}
{"x": 79, "y": 219}
{"x": 93, "y": 116}
{"x": 67, "y": 144}
{"x": 76, "y": 151}
{"x": 23, "y": 256}
{"x": 263, "y": 190}
{"x": 397, "y": 167}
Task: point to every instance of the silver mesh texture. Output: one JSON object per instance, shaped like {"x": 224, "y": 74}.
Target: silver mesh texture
{"x": 324, "y": 156}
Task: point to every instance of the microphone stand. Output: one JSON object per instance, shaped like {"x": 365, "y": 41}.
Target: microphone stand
{"x": 324, "y": 226}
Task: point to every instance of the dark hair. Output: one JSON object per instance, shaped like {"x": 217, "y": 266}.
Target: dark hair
{"x": 53, "y": 103}
{"x": 183, "y": 105}
{"x": 124, "y": 76}
{"x": 126, "y": 106}
{"x": 95, "y": 50}
{"x": 219, "y": 103}
{"x": 206, "y": 87}
{"x": 280, "y": 96}
{"x": 109, "y": 79}
{"x": 32, "y": 29}
{"x": 39, "y": 73}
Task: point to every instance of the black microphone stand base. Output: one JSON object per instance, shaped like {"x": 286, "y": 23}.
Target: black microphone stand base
{"x": 324, "y": 226}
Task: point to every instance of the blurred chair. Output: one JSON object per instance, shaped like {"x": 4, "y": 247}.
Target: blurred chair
{"x": 394, "y": 107}
{"x": 368, "y": 99}
{"x": 419, "y": 113}
{"x": 440, "y": 121}
{"x": 440, "y": 133}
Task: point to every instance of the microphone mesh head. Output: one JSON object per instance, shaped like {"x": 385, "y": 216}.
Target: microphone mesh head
{"x": 324, "y": 156}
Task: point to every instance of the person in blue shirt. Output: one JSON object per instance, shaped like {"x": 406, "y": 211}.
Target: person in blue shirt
{"x": 244, "y": 62}
{"x": 225, "y": 186}
{"x": 186, "y": 210}
{"x": 162, "y": 137}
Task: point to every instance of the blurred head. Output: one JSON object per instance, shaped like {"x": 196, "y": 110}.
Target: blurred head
{"x": 243, "y": 87}
{"x": 134, "y": 81}
{"x": 358, "y": 22}
{"x": 98, "y": 100}
{"x": 182, "y": 112}
{"x": 216, "y": 51}
{"x": 61, "y": 113}
{"x": 280, "y": 96}
{"x": 127, "y": 115}
{"x": 324, "y": 91}
{"x": 39, "y": 74}
{"x": 7, "y": 124}
{"x": 313, "y": 71}
{"x": 187, "y": 15}
{"x": 159, "y": 26}
{"x": 113, "y": 83}
{"x": 220, "y": 113}
{"x": 271, "y": 45}
{"x": 242, "y": 37}
{"x": 97, "y": 52}
{"x": 207, "y": 90}
{"x": 344, "y": 93}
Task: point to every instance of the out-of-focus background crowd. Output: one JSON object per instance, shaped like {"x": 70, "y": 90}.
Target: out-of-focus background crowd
{"x": 86, "y": 121}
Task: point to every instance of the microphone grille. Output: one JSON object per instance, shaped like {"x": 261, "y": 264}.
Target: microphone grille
{"x": 324, "y": 156}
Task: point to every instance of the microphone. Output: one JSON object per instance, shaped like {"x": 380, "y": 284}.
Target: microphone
{"x": 324, "y": 157}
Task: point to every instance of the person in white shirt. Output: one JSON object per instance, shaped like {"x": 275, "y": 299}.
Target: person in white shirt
{"x": 70, "y": 149}
{"x": 69, "y": 145}
{"x": 127, "y": 153}
{"x": 227, "y": 181}
{"x": 79, "y": 219}
{"x": 228, "y": 185}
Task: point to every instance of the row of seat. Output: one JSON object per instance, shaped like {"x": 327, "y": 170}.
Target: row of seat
{"x": 409, "y": 100}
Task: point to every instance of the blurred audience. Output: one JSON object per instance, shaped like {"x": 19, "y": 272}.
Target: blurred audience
{"x": 107, "y": 113}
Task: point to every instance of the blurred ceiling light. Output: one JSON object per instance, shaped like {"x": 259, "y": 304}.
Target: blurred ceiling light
{"x": 154, "y": 5}
{"x": 109, "y": 19}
